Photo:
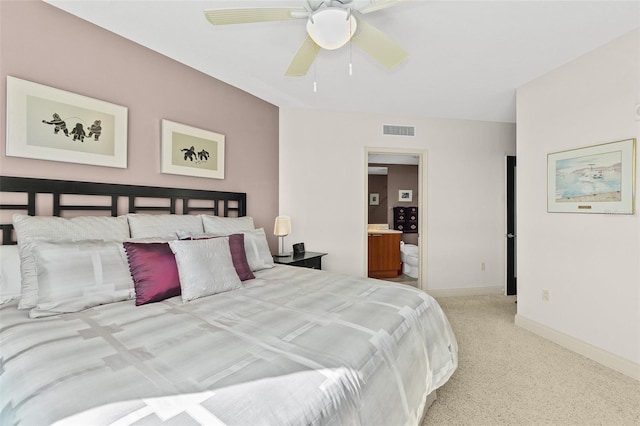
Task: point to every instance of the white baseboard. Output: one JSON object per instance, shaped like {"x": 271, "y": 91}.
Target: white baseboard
{"x": 469, "y": 291}
{"x": 608, "y": 359}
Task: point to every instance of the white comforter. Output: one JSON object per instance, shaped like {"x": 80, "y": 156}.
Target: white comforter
{"x": 293, "y": 347}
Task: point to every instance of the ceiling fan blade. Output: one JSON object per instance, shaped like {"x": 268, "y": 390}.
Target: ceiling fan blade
{"x": 304, "y": 58}
{"x": 377, "y": 45}
{"x": 378, "y": 5}
{"x": 245, "y": 16}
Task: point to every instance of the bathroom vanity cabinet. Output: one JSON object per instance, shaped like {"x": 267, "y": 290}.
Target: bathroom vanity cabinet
{"x": 384, "y": 254}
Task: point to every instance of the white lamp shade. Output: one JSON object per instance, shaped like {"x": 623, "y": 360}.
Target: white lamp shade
{"x": 282, "y": 226}
{"x": 330, "y": 28}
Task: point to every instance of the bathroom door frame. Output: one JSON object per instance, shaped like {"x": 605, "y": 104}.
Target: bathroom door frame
{"x": 422, "y": 206}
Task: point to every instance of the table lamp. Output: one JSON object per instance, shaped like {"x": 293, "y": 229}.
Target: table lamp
{"x": 282, "y": 228}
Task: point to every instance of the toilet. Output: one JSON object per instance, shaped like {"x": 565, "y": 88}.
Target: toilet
{"x": 409, "y": 255}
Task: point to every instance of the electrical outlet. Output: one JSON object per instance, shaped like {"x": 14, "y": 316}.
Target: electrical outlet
{"x": 483, "y": 266}
{"x": 545, "y": 295}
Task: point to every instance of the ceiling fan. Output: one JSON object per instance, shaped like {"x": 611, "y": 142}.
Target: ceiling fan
{"x": 330, "y": 25}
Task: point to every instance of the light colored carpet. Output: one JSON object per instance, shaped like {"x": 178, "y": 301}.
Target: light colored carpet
{"x": 510, "y": 376}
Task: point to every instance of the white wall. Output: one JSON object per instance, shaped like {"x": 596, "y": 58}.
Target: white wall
{"x": 588, "y": 262}
{"x": 322, "y": 188}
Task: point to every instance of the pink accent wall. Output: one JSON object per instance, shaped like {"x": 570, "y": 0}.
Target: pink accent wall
{"x": 400, "y": 176}
{"x": 45, "y": 45}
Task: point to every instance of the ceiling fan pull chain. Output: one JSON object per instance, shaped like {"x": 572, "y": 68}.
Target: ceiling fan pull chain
{"x": 350, "y": 45}
{"x": 315, "y": 78}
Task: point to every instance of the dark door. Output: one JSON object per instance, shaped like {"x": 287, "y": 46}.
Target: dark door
{"x": 511, "y": 226}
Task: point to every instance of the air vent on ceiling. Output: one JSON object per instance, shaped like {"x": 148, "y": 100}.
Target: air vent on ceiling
{"x": 398, "y": 130}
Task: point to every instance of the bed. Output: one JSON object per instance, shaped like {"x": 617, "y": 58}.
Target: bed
{"x": 244, "y": 342}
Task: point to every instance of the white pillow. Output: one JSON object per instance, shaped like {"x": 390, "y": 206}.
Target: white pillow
{"x": 162, "y": 225}
{"x": 226, "y": 225}
{"x": 186, "y": 235}
{"x": 205, "y": 267}
{"x": 257, "y": 250}
{"x": 9, "y": 273}
{"x": 32, "y": 228}
{"x": 164, "y": 239}
{"x": 73, "y": 276}
{"x": 256, "y": 247}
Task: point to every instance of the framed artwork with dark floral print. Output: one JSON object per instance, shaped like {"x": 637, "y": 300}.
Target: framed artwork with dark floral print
{"x": 191, "y": 151}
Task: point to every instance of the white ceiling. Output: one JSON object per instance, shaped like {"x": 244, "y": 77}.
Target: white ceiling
{"x": 465, "y": 58}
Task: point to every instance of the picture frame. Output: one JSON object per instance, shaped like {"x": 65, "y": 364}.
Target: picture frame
{"x": 374, "y": 199}
{"x": 51, "y": 124}
{"x": 191, "y": 151}
{"x": 594, "y": 179}
{"x": 405, "y": 195}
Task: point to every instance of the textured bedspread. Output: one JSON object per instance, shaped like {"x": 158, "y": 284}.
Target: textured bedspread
{"x": 293, "y": 347}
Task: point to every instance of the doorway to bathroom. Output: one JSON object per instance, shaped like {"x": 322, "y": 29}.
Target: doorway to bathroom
{"x": 395, "y": 215}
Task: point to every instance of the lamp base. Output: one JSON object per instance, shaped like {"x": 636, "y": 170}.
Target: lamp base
{"x": 281, "y": 248}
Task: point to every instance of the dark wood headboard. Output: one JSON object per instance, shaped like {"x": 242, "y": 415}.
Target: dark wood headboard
{"x": 108, "y": 198}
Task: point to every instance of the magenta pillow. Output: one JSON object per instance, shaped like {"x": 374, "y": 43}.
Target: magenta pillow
{"x": 154, "y": 271}
{"x": 238, "y": 255}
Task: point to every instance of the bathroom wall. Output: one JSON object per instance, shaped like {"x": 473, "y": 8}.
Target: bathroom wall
{"x": 399, "y": 177}
{"x": 378, "y": 213}
{"x": 403, "y": 177}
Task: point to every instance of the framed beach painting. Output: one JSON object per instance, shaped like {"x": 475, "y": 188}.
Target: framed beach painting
{"x": 191, "y": 151}
{"x": 594, "y": 179}
{"x": 52, "y": 124}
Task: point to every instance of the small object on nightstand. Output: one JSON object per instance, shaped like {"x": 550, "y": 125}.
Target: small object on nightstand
{"x": 308, "y": 259}
{"x": 298, "y": 249}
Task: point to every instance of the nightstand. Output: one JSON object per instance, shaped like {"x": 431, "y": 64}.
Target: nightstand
{"x": 308, "y": 259}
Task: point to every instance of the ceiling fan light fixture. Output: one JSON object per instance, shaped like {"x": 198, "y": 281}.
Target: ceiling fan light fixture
{"x": 331, "y": 27}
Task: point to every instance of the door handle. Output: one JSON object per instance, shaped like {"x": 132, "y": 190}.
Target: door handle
{"x": 511, "y": 235}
